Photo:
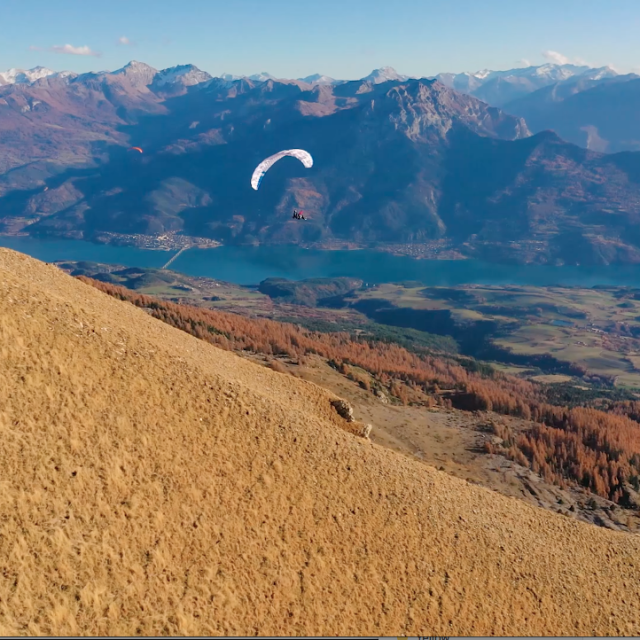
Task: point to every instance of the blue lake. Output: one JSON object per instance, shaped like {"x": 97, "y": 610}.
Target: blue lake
{"x": 250, "y": 265}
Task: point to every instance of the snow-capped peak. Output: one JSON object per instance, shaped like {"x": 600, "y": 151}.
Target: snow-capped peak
{"x": 262, "y": 77}
{"x": 481, "y": 75}
{"x": 137, "y": 73}
{"x": 599, "y": 74}
{"x": 185, "y": 74}
{"x": 135, "y": 68}
{"x": 230, "y": 77}
{"x": 317, "y": 78}
{"x": 64, "y": 74}
{"x": 21, "y": 76}
{"x": 384, "y": 74}
{"x": 556, "y": 71}
{"x": 545, "y": 73}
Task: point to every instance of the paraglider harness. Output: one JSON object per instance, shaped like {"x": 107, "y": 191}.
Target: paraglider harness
{"x": 297, "y": 215}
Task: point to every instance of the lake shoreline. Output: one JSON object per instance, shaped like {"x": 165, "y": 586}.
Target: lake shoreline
{"x": 517, "y": 255}
{"x": 435, "y": 250}
{"x": 246, "y": 265}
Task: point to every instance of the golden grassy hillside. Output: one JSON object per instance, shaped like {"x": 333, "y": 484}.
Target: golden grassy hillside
{"x": 151, "y": 483}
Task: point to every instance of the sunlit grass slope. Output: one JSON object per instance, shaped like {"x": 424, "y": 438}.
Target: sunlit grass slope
{"x": 151, "y": 483}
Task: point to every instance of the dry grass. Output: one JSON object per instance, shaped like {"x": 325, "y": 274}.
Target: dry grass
{"x": 151, "y": 483}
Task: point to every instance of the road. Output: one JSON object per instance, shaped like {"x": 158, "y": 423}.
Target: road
{"x": 165, "y": 266}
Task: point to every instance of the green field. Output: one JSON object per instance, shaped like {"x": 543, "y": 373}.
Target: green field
{"x": 597, "y": 330}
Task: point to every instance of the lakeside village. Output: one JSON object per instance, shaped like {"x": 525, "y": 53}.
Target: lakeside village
{"x": 163, "y": 242}
{"x": 171, "y": 241}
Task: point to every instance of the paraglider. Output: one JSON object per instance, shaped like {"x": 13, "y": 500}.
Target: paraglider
{"x": 298, "y": 215}
{"x": 136, "y": 149}
{"x": 265, "y": 165}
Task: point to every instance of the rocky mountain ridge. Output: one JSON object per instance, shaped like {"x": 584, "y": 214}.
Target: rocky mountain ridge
{"x": 400, "y": 161}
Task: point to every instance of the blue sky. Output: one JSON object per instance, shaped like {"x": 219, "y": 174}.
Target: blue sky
{"x": 341, "y": 38}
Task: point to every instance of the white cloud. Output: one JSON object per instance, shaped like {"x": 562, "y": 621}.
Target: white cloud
{"x": 524, "y": 63}
{"x": 555, "y": 57}
{"x": 74, "y": 51}
{"x": 558, "y": 58}
{"x": 125, "y": 41}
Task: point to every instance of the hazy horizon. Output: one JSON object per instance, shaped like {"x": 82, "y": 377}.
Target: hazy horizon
{"x": 342, "y": 40}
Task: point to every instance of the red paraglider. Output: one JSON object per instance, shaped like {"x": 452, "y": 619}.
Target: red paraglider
{"x": 136, "y": 149}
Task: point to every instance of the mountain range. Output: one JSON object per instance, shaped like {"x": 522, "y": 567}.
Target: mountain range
{"x": 397, "y": 160}
{"x": 599, "y": 114}
{"x": 537, "y": 93}
{"x": 500, "y": 87}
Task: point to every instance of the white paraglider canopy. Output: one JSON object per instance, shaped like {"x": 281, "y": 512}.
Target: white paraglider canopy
{"x": 265, "y": 165}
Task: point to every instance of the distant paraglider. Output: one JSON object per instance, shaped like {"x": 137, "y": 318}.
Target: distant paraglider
{"x": 135, "y": 149}
{"x": 265, "y": 165}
